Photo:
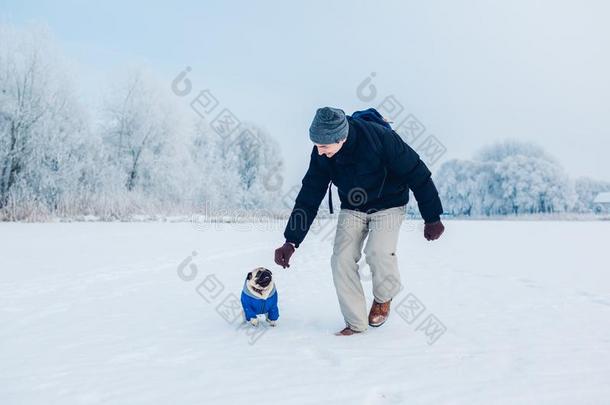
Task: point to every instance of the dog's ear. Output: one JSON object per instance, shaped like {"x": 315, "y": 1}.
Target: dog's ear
{"x": 249, "y": 276}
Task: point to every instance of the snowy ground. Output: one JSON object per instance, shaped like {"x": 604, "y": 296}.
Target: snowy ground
{"x": 97, "y": 313}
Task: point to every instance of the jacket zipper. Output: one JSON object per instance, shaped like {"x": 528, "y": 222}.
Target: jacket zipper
{"x": 330, "y": 197}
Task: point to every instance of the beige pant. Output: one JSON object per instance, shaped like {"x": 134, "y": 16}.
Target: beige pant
{"x": 382, "y": 228}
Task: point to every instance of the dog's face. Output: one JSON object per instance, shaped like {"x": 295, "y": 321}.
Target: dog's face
{"x": 260, "y": 278}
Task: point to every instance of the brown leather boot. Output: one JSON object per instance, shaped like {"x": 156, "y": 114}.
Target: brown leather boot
{"x": 347, "y": 332}
{"x": 379, "y": 313}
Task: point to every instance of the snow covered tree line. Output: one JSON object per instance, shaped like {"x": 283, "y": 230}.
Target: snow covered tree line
{"x": 140, "y": 154}
{"x": 513, "y": 178}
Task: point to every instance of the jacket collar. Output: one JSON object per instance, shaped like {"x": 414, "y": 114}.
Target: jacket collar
{"x": 345, "y": 153}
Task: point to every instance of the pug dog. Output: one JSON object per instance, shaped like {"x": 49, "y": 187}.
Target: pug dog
{"x": 259, "y": 297}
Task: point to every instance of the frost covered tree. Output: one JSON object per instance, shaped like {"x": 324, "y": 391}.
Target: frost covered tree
{"x": 533, "y": 185}
{"x": 41, "y": 124}
{"x": 237, "y": 171}
{"x": 256, "y": 158}
{"x": 457, "y": 186}
{"x": 506, "y": 178}
{"x": 469, "y": 188}
{"x": 144, "y": 138}
{"x": 214, "y": 182}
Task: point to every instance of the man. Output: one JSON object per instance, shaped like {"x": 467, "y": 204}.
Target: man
{"x": 373, "y": 170}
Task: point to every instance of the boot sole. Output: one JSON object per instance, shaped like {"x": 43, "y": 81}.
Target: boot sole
{"x": 351, "y": 334}
{"x": 377, "y": 324}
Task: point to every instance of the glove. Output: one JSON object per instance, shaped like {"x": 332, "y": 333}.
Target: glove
{"x": 282, "y": 254}
{"x": 433, "y": 230}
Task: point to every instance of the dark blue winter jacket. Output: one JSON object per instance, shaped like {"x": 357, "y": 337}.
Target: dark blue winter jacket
{"x": 373, "y": 170}
{"x": 254, "y": 305}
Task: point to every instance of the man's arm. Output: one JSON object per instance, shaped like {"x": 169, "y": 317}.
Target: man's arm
{"x": 404, "y": 163}
{"x": 308, "y": 201}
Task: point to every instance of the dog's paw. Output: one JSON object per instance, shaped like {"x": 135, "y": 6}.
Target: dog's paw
{"x": 271, "y": 323}
{"x": 253, "y": 321}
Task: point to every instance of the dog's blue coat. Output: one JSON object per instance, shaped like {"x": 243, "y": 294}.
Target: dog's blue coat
{"x": 253, "y": 305}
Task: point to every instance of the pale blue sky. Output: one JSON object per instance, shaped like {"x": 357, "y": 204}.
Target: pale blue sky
{"x": 472, "y": 71}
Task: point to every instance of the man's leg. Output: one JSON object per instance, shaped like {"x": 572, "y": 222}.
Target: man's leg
{"x": 347, "y": 250}
{"x": 380, "y": 252}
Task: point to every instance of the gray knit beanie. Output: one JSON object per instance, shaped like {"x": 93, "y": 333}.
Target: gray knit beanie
{"x": 328, "y": 126}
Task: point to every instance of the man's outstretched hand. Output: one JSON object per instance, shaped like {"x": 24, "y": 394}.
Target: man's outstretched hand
{"x": 433, "y": 230}
{"x": 282, "y": 254}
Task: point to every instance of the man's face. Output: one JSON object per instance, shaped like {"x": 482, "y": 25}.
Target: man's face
{"x": 330, "y": 149}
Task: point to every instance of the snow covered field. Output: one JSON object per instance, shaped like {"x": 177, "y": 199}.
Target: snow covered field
{"x": 97, "y": 313}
